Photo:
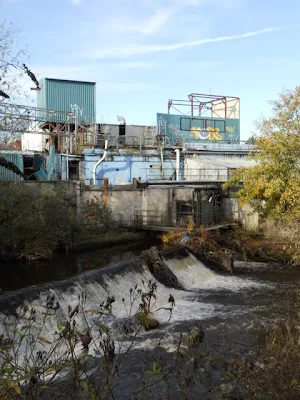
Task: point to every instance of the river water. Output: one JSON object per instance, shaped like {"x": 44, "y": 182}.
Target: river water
{"x": 231, "y": 309}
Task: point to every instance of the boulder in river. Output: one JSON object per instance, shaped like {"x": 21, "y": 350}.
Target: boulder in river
{"x": 159, "y": 270}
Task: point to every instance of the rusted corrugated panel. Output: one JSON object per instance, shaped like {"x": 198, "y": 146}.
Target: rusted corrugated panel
{"x": 16, "y": 158}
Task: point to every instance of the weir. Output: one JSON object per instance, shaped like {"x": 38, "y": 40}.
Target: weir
{"x": 202, "y": 297}
{"x": 117, "y": 280}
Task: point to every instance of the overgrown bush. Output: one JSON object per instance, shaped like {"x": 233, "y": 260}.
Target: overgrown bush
{"x": 95, "y": 211}
{"x": 33, "y": 222}
{"x": 198, "y": 239}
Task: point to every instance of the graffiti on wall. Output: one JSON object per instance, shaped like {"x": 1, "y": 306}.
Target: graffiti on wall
{"x": 182, "y": 128}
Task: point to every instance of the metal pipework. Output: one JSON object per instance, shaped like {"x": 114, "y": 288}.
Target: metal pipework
{"x": 177, "y": 151}
{"x": 100, "y": 161}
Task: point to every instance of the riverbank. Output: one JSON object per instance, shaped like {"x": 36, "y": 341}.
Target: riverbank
{"x": 213, "y": 325}
{"x": 88, "y": 242}
{"x": 104, "y": 250}
{"x": 36, "y": 225}
{"x": 270, "y": 367}
{"x": 271, "y": 370}
{"x": 222, "y": 247}
{"x": 230, "y": 310}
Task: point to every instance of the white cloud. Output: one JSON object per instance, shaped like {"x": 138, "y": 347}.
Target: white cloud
{"x": 133, "y": 50}
{"x": 160, "y": 18}
{"x": 150, "y": 26}
{"x": 76, "y": 2}
{"x": 129, "y": 19}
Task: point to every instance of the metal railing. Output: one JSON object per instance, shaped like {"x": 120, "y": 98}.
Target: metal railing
{"x": 151, "y": 218}
{"x": 189, "y": 175}
{"x": 208, "y": 174}
{"x": 131, "y": 141}
{"x": 151, "y": 175}
{"x": 222, "y": 145}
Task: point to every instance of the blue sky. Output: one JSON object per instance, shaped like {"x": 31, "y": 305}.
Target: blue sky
{"x": 141, "y": 53}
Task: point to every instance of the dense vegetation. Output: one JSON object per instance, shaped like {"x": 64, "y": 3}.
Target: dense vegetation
{"x": 34, "y": 223}
{"x": 273, "y": 183}
{"x": 272, "y": 186}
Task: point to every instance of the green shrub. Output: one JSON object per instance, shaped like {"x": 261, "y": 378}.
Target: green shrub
{"x": 96, "y": 212}
{"x": 33, "y": 222}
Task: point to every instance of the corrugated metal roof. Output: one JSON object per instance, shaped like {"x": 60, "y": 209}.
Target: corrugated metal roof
{"x": 70, "y": 80}
{"x": 15, "y": 157}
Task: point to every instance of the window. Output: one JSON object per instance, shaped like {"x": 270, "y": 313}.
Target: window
{"x": 186, "y": 124}
{"x": 198, "y": 123}
{"x": 221, "y": 125}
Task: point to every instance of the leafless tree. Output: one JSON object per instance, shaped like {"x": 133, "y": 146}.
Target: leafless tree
{"x": 12, "y": 59}
{"x": 13, "y": 67}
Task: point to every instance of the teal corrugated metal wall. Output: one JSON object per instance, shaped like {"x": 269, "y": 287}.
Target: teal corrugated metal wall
{"x": 58, "y": 95}
{"x": 181, "y": 127}
{"x": 38, "y": 163}
{"x": 17, "y": 159}
{"x": 53, "y": 164}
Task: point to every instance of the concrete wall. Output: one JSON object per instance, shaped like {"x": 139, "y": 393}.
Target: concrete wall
{"x": 281, "y": 229}
{"x": 196, "y": 169}
{"x": 154, "y": 204}
{"x": 242, "y": 214}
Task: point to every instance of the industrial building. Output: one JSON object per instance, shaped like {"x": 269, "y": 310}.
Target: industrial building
{"x": 197, "y": 140}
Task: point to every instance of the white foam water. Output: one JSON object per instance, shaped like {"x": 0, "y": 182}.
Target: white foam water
{"x": 190, "y": 272}
{"x": 193, "y": 274}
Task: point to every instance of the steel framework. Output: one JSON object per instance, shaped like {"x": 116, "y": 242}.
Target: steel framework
{"x": 62, "y": 125}
{"x": 203, "y": 104}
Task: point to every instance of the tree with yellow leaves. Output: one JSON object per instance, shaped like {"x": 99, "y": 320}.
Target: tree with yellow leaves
{"x": 274, "y": 182}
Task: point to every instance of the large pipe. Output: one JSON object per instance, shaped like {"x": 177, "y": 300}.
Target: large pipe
{"x": 162, "y": 161}
{"x": 100, "y": 161}
{"x": 177, "y": 151}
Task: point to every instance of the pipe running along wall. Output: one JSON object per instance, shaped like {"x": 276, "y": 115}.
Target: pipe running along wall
{"x": 177, "y": 151}
{"x": 162, "y": 161}
{"x": 99, "y": 162}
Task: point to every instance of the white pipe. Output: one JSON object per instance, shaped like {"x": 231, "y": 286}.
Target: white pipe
{"x": 177, "y": 151}
{"x": 162, "y": 161}
{"x": 99, "y": 162}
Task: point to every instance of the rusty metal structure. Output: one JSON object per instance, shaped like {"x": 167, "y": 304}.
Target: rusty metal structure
{"x": 202, "y": 105}
{"x": 62, "y": 127}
